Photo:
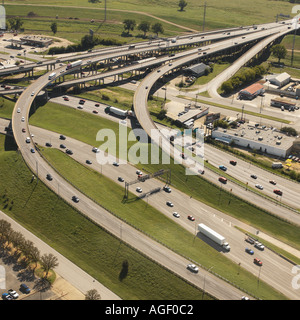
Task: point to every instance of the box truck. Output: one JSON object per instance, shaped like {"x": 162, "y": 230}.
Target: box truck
{"x": 213, "y": 235}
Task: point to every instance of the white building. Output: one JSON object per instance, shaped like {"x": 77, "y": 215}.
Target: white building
{"x": 249, "y": 136}
{"x": 280, "y": 80}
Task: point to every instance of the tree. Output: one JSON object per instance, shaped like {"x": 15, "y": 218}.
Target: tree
{"x": 15, "y": 23}
{"x": 227, "y": 87}
{"x": 279, "y": 51}
{"x": 157, "y": 28}
{"x": 54, "y": 27}
{"x": 182, "y": 4}
{"x": 129, "y": 24}
{"x": 144, "y": 26}
{"x": 48, "y": 261}
{"x": 92, "y": 295}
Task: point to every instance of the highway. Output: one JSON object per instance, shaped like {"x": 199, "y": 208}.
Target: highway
{"x": 129, "y": 234}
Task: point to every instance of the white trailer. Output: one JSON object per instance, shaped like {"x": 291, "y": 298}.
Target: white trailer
{"x": 276, "y": 165}
{"x": 118, "y": 112}
{"x": 213, "y": 235}
{"x": 74, "y": 64}
{"x": 52, "y": 75}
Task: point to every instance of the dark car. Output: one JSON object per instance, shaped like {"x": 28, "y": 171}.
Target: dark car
{"x": 24, "y": 288}
{"x": 233, "y": 162}
{"x": 279, "y": 192}
{"x": 48, "y": 144}
{"x": 249, "y": 251}
{"x": 49, "y": 177}
{"x": 62, "y": 146}
{"x": 68, "y": 151}
{"x": 88, "y": 161}
{"x": 62, "y": 137}
{"x": 75, "y": 199}
{"x": 253, "y": 176}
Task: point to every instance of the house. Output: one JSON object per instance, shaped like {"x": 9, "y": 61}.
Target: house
{"x": 252, "y": 91}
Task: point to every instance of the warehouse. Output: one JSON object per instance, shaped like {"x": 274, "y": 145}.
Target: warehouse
{"x": 197, "y": 70}
{"x": 252, "y": 137}
{"x": 252, "y": 91}
{"x": 280, "y": 80}
{"x": 283, "y": 104}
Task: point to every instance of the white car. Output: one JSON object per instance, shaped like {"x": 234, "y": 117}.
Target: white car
{"x": 18, "y": 110}
{"x": 116, "y": 164}
{"x": 139, "y": 172}
{"x": 23, "y": 119}
{"x": 139, "y": 190}
{"x": 192, "y": 267}
{"x": 80, "y": 107}
{"x": 96, "y": 150}
{"x": 259, "y": 186}
{"x": 13, "y": 293}
{"x": 27, "y": 140}
{"x": 32, "y": 93}
{"x": 176, "y": 214}
{"x": 259, "y": 245}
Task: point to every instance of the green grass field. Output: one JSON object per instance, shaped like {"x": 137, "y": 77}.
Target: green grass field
{"x": 90, "y": 247}
{"x": 217, "y": 15}
{"x": 141, "y": 215}
{"x": 51, "y": 117}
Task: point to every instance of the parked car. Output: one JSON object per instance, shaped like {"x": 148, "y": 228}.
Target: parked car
{"x": 13, "y": 293}
{"x": 6, "y": 296}
{"x": 24, "y": 288}
{"x": 192, "y": 267}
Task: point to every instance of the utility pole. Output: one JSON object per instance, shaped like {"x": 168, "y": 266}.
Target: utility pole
{"x": 105, "y": 11}
{"x": 292, "y": 57}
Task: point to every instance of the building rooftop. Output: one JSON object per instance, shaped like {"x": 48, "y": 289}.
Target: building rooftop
{"x": 264, "y": 135}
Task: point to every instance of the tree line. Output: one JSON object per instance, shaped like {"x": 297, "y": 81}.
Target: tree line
{"x": 10, "y": 238}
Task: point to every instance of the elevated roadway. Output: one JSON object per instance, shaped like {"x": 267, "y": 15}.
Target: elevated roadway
{"x": 94, "y": 211}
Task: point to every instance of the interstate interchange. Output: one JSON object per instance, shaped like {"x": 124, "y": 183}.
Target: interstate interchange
{"x": 276, "y": 271}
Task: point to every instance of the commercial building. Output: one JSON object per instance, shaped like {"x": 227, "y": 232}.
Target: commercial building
{"x": 252, "y": 91}
{"x": 283, "y": 103}
{"x": 197, "y": 70}
{"x": 254, "y": 137}
{"x": 280, "y": 80}
{"x": 36, "y": 41}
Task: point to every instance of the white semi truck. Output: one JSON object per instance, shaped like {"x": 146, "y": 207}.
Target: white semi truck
{"x": 117, "y": 111}
{"x": 74, "y": 64}
{"x": 213, "y": 235}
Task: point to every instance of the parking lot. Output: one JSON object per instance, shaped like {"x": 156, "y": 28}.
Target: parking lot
{"x": 16, "y": 274}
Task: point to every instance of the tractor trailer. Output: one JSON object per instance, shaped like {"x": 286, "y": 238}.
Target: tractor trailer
{"x": 213, "y": 235}
{"x": 74, "y": 64}
{"x": 117, "y": 111}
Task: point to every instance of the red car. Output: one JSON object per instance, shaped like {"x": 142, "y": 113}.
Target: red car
{"x": 279, "y": 192}
{"x": 223, "y": 180}
{"x": 66, "y": 98}
{"x": 257, "y": 261}
{"x": 191, "y": 218}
